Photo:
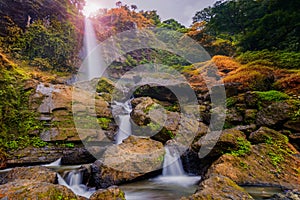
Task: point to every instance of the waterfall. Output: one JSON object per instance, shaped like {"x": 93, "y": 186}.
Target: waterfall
{"x": 172, "y": 163}
{"x": 93, "y": 64}
{"x": 173, "y": 173}
{"x": 124, "y": 121}
{"x": 74, "y": 183}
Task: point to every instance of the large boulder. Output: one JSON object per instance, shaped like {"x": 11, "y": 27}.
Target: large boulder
{"x": 151, "y": 119}
{"x": 229, "y": 140}
{"x": 276, "y": 114}
{"x": 32, "y": 189}
{"x": 267, "y": 164}
{"x": 57, "y": 103}
{"x": 37, "y": 173}
{"x": 219, "y": 187}
{"x": 111, "y": 193}
{"x": 130, "y": 160}
{"x": 267, "y": 135}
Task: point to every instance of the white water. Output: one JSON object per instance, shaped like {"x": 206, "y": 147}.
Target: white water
{"x": 173, "y": 172}
{"x": 93, "y": 56}
{"x": 74, "y": 183}
{"x": 124, "y": 121}
{"x": 172, "y": 163}
{"x": 56, "y": 163}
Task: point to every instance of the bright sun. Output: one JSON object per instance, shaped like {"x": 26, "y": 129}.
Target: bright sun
{"x": 91, "y": 7}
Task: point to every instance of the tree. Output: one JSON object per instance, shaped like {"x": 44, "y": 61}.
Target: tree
{"x": 133, "y": 7}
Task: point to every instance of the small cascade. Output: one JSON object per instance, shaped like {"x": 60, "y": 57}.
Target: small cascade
{"x": 56, "y": 163}
{"x": 124, "y": 121}
{"x": 172, "y": 163}
{"x": 74, "y": 183}
{"x": 173, "y": 173}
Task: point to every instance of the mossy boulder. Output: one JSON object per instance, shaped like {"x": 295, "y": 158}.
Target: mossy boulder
{"x": 32, "y": 189}
{"x": 266, "y": 164}
{"x": 267, "y": 135}
{"x": 111, "y": 193}
{"x": 219, "y": 187}
{"x": 132, "y": 159}
{"x": 276, "y": 114}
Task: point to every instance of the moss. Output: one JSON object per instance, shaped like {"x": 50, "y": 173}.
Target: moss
{"x": 231, "y": 101}
{"x": 244, "y": 147}
{"x": 104, "y": 122}
{"x": 272, "y": 95}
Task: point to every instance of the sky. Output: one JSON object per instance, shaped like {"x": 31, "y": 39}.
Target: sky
{"x": 181, "y": 10}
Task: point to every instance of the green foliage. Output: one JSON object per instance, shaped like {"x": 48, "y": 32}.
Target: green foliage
{"x": 230, "y": 101}
{"x": 275, "y": 158}
{"x": 22, "y": 142}
{"x": 153, "y": 126}
{"x": 244, "y": 147}
{"x": 104, "y": 122}
{"x": 254, "y": 25}
{"x": 272, "y": 95}
{"x": 282, "y": 59}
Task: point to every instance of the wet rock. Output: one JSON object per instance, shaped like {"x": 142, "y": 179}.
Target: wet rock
{"x": 267, "y": 135}
{"x": 276, "y": 114}
{"x": 37, "y": 173}
{"x": 229, "y": 140}
{"x": 111, "y": 193}
{"x": 79, "y": 156}
{"x": 219, "y": 187}
{"x": 36, "y": 156}
{"x": 266, "y": 165}
{"x": 32, "y": 189}
{"x": 293, "y": 125}
{"x": 130, "y": 160}
{"x": 288, "y": 195}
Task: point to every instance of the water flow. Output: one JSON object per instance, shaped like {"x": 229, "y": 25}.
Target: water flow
{"x": 94, "y": 66}
{"x": 124, "y": 121}
{"x": 56, "y": 163}
{"x": 173, "y": 173}
{"x": 172, "y": 163}
{"x": 74, "y": 183}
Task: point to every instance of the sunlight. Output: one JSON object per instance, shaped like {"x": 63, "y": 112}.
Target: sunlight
{"x": 91, "y": 7}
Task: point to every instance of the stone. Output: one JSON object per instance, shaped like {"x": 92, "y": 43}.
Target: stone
{"x": 132, "y": 159}
{"x": 276, "y": 114}
{"x": 32, "y": 189}
{"x": 111, "y": 193}
{"x": 293, "y": 125}
{"x": 267, "y": 135}
{"x": 266, "y": 164}
{"x": 36, "y": 173}
{"x": 219, "y": 187}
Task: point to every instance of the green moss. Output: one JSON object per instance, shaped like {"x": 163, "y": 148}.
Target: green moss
{"x": 231, "y": 101}
{"x": 272, "y": 95}
{"x": 275, "y": 158}
{"x": 104, "y": 122}
{"x": 244, "y": 147}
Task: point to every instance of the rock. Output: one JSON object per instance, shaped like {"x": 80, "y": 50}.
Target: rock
{"x": 37, "y": 173}
{"x": 32, "y": 189}
{"x": 267, "y": 135}
{"x": 265, "y": 165}
{"x": 77, "y": 157}
{"x": 276, "y": 114}
{"x": 151, "y": 119}
{"x": 3, "y": 159}
{"x": 219, "y": 187}
{"x": 228, "y": 141}
{"x": 60, "y": 102}
{"x": 288, "y": 195}
{"x": 111, "y": 193}
{"x": 293, "y": 125}
{"x": 130, "y": 160}
{"x": 45, "y": 155}
{"x": 247, "y": 129}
